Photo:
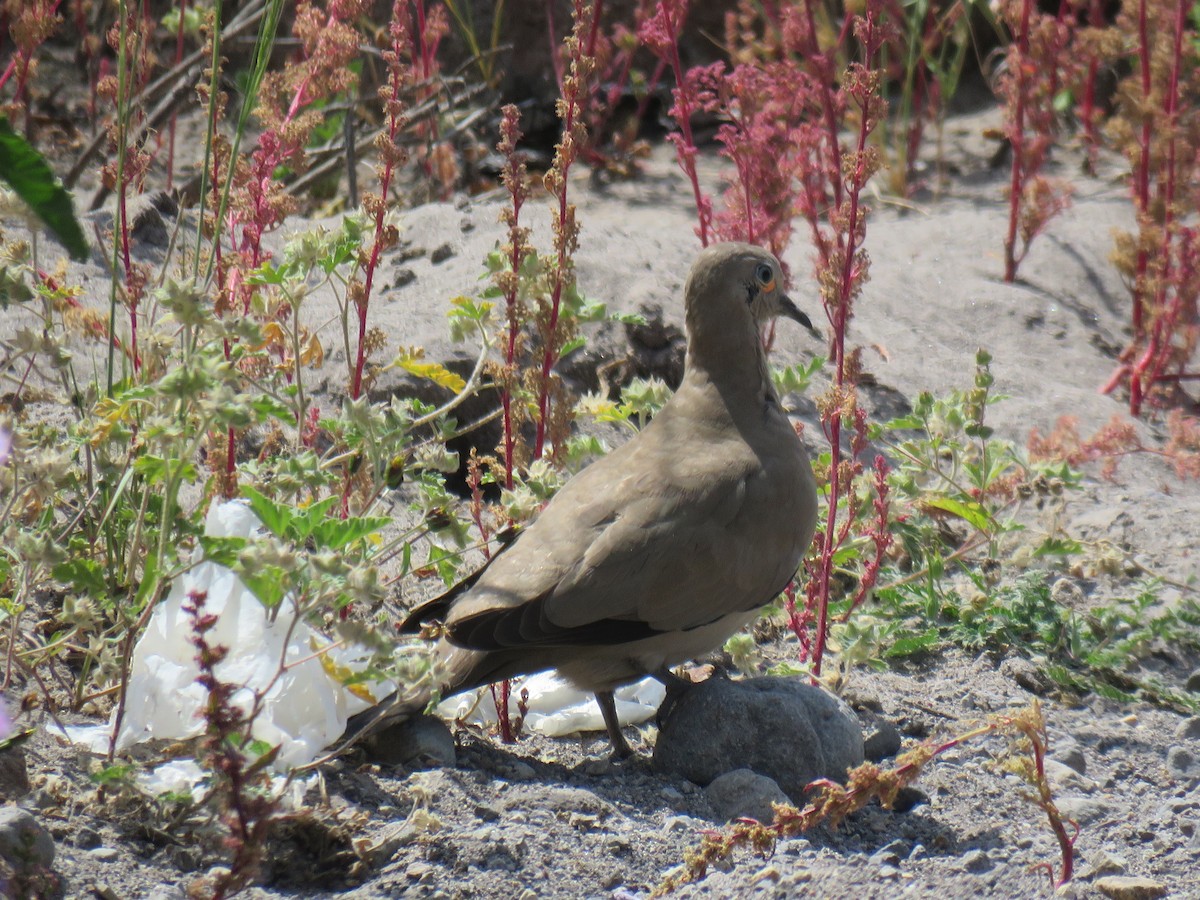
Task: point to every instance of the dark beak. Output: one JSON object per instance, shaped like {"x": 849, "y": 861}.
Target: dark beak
{"x": 792, "y": 311}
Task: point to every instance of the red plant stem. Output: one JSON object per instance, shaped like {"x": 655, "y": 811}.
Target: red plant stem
{"x": 395, "y": 80}
{"x": 1149, "y": 367}
{"x": 550, "y": 353}
{"x": 830, "y": 538}
{"x": 1141, "y": 195}
{"x": 688, "y": 155}
{"x": 510, "y": 350}
{"x": 1017, "y": 141}
{"x": 822, "y": 63}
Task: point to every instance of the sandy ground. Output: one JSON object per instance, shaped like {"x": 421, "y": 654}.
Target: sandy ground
{"x": 548, "y": 818}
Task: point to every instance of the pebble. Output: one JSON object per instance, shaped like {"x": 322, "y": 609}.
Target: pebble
{"x": 1086, "y": 810}
{"x": 890, "y": 854}
{"x": 1126, "y": 887}
{"x": 977, "y": 861}
{"x": 1189, "y": 729}
{"x": 104, "y": 854}
{"x": 1105, "y": 863}
{"x": 1181, "y": 763}
{"x": 1062, "y": 777}
{"x": 1074, "y": 757}
{"x": 24, "y": 842}
{"x": 744, "y": 794}
{"x": 1026, "y": 674}
{"x": 441, "y": 253}
{"x": 882, "y": 738}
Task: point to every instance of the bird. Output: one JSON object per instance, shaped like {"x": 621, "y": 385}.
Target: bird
{"x": 661, "y": 550}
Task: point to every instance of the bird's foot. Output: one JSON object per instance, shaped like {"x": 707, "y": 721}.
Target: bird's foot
{"x": 608, "y": 708}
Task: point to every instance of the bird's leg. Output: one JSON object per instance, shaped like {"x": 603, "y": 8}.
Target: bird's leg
{"x": 676, "y": 688}
{"x": 608, "y": 709}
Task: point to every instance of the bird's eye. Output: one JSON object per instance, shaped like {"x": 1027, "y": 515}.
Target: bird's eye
{"x": 766, "y": 277}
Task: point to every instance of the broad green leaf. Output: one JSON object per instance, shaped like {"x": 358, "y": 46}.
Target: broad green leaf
{"x": 31, "y": 179}
{"x": 275, "y": 517}
{"x": 971, "y": 512}
{"x": 338, "y": 533}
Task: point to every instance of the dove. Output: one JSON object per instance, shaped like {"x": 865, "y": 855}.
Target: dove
{"x": 661, "y": 550}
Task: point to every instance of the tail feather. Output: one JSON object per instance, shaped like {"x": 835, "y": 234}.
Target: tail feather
{"x": 455, "y": 670}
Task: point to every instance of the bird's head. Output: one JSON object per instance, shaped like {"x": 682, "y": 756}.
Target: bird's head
{"x": 734, "y": 282}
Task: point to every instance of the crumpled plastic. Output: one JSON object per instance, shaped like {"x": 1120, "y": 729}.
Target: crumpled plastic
{"x": 304, "y": 708}
{"x": 555, "y": 708}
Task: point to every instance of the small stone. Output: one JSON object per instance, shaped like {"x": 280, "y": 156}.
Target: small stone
{"x": 466, "y": 225}
{"x": 1087, "y": 810}
{"x": 890, "y": 854}
{"x": 1127, "y": 887}
{"x": 743, "y": 794}
{"x": 1189, "y": 729}
{"x": 404, "y": 277}
{"x": 1193, "y": 682}
{"x": 24, "y": 842}
{"x": 1026, "y": 674}
{"x": 977, "y": 861}
{"x": 1074, "y": 757}
{"x": 86, "y": 838}
{"x": 882, "y": 738}
{"x": 166, "y": 892}
{"x": 1062, "y": 777}
{"x": 521, "y": 771}
{"x": 907, "y": 798}
{"x": 887, "y": 871}
{"x": 487, "y": 813}
{"x": 421, "y": 742}
{"x": 418, "y": 870}
{"x": 1182, "y": 764}
{"x": 1105, "y": 863}
{"x": 770, "y": 873}
{"x": 441, "y": 253}
{"x": 14, "y": 775}
{"x": 104, "y": 854}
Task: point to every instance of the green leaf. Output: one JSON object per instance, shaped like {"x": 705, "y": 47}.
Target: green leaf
{"x": 338, "y": 533}
{"x": 275, "y": 517}
{"x": 971, "y": 512}
{"x": 83, "y": 575}
{"x": 917, "y": 643}
{"x": 31, "y": 179}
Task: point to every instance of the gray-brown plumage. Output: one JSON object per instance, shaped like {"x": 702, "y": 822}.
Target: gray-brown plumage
{"x": 665, "y": 547}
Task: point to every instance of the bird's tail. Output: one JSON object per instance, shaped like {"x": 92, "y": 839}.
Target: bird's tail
{"x": 454, "y": 670}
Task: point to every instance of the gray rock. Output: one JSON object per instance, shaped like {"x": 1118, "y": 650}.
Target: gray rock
{"x": 977, "y": 861}
{"x": 441, "y": 253}
{"x": 1062, "y": 777}
{"x": 744, "y": 794}
{"x": 421, "y": 742}
{"x": 104, "y": 854}
{"x": 24, "y": 843}
{"x": 780, "y": 727}
{"x": 891, "y": 854}
{"x": 1025, "y": 673}
{"x": 1189, "y": 729}
{"x": 1074, "y": 757}
{"x": 882, "y": 737}
{"x": 1087, "y": 810}
{"x": 1125, "y": 887}
{"x": 1182, "y": 763}
{"x": 1193, "y": 682}
{"x": 14, "y": 775}
{"x": 1104, "y": 863}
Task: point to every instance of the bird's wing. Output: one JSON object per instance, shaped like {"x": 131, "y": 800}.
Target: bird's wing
{"x": 649, "y": 541}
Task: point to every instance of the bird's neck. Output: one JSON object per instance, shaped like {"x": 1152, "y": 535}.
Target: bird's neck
{"x": 741, "y": 378}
